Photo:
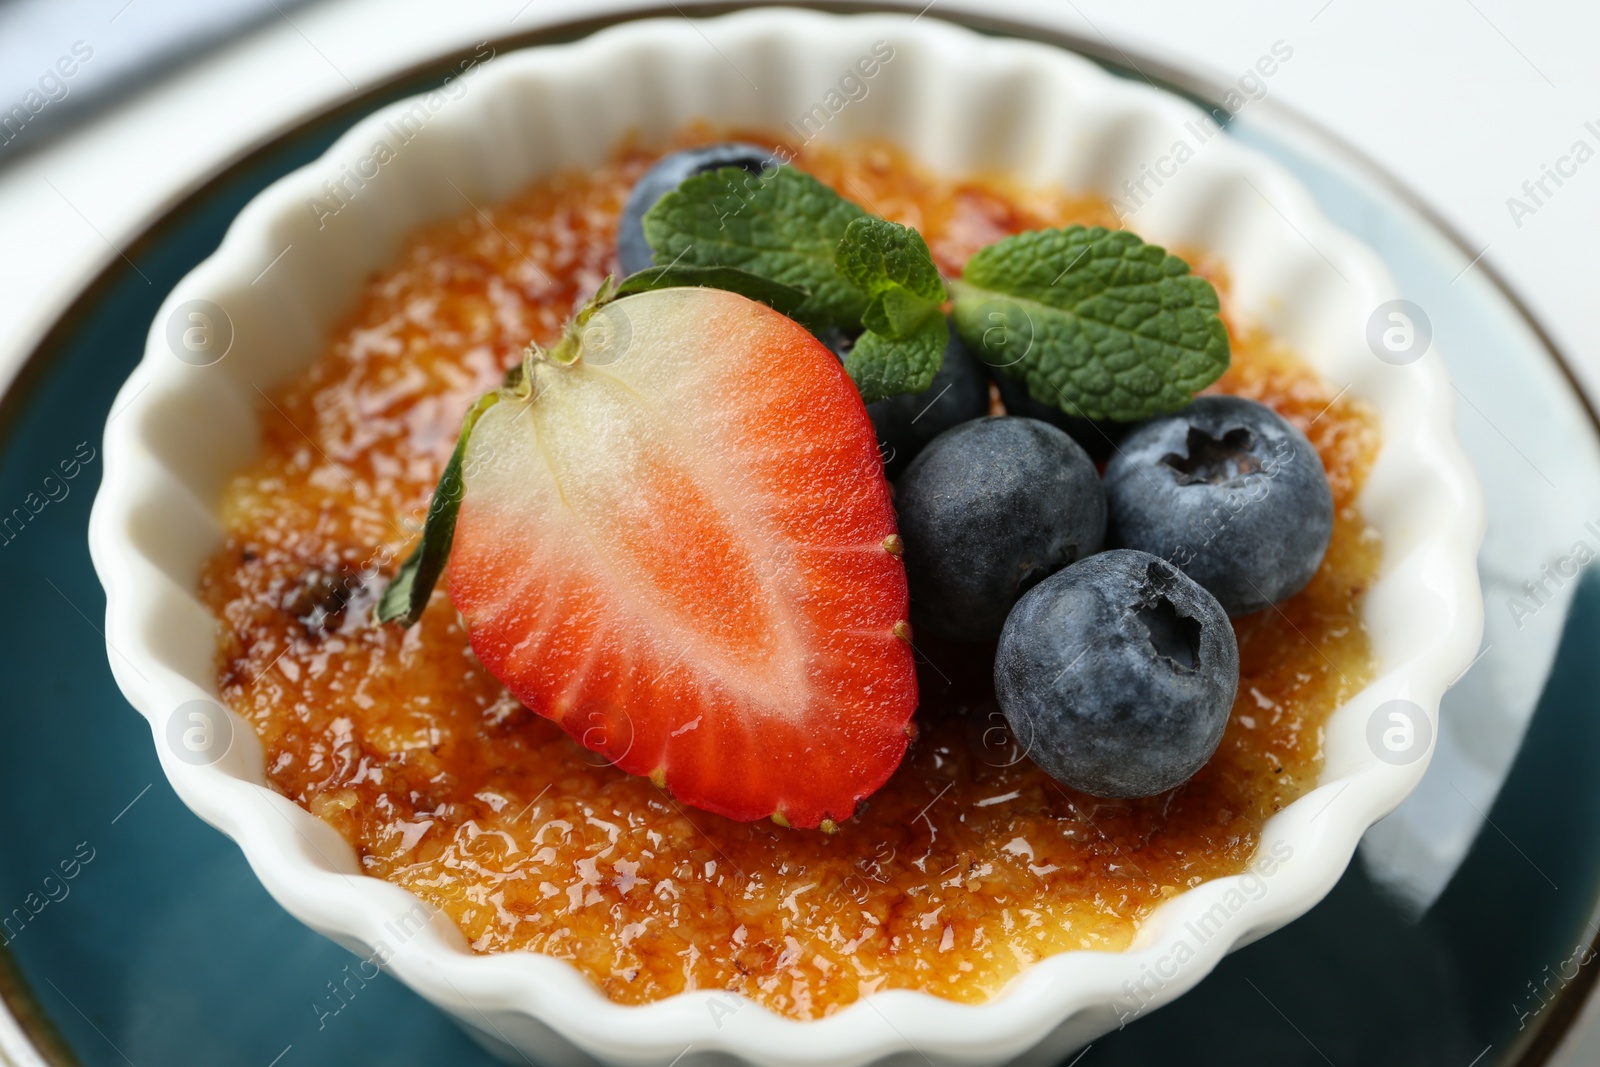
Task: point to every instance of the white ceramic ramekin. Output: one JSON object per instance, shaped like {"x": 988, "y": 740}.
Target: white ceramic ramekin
{"x": 287, "y": 272}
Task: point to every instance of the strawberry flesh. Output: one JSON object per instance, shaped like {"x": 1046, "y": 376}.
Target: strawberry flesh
{"x": 681, "y": 547}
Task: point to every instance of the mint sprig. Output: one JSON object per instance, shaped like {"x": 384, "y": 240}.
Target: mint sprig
{"x": 905, "y": 332}
{"x": 861, "y": 274}
{"x": 782, "y": 224}
{"x": 1094, "y": 321}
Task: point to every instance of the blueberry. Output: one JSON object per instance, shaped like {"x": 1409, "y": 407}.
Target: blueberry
{"x": 1117, "y": 674}
{"x": 633, "y": 251}
{"x": 987, "y": 510}
{"x": 839, "y": 340}
{"x": 1228, "y": 490}
{"x": 1097, "y": 436}
{"x": 906, "y": 423}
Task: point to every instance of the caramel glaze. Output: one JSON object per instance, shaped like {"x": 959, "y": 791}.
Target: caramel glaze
{"x": 968, "y": 865}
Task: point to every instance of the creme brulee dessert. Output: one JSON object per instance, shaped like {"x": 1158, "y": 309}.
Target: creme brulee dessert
{"x": 969, "y": 863}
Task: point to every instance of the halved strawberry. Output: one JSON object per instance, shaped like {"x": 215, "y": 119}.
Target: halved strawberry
{"x": 680, "y": 546}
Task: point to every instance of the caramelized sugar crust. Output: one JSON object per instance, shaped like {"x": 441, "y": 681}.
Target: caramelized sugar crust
{"x": 967, "y": 866}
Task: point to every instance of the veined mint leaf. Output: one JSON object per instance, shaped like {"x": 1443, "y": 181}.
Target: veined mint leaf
{"x": 891, "y": 264}
{"x": 882, "y": 366}
{"x": 1093, "y": 320}
{"x": 784, "y": 299}
{"x": 897, "y": 313}
{"x": 407, "y": 593}
{"x": 878, "y": 255}
{"x": 906, "y": 334}
{"x": 855, "y": 272}
{"x": 783, "y": 225}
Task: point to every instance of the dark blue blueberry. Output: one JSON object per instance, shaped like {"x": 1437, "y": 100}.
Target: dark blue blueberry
{"x": 906, "y": 423}
{"x": 633, "y": 251}
{"x": 1228, "y": 490}
{"x": 1097, "y": 436}
{"x": 988, "y": 510}
{"x": 839, "y": 340}
{"x": 1117, "y": 674}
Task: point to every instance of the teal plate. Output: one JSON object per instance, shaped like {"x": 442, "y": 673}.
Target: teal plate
{"x": 138, "y": 936}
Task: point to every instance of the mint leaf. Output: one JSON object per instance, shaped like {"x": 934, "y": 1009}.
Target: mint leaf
{"x": 1093, "y": 320}
{"x": 906, "y": 334}
{"x": 783, "y": 225}
{"x": 897, "y": 313}
{"x": 407, "y": 593}
{"x": 879, "y": 256}
{"x": 882, "y": 366}
{"x": 784, "y": 299}
{"x": 855, "y": 271}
